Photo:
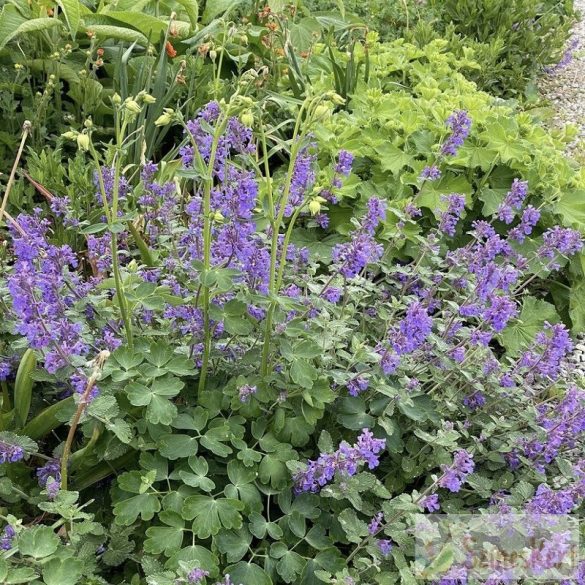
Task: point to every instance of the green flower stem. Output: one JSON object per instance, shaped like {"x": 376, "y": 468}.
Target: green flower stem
{"x": 207, "y": 246}
{"x": 276, "y": 223}
{"x": 111, "y": 215}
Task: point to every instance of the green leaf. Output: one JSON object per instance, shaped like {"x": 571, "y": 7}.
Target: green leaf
{"x": 200, "y": 555}
{"x": 38, "y": 542}
{"x": 521, "y": 331}
{"x": 150, "y": 26}
{"x": 12, "y": 24}
{"x": 577, "y": 305}
{"x": 143, "y": 505}
{"x": 571, "y": 207}
{"x": 303, "y": 373}
{"x": 106, "y": 31}
{"x": 71, "y": 12}
{"x": 354, "y": 528}
{"x": 248, "y": 574}
{"x": 163, "y": 539}
{"x": 176, "y": 446}
{"x": 392, "y": 158}
{"x": 290, "y": 566}
{"x": 23, "y": 386}
{"x": 441, "y": 563}
{"x": 62, "y": 571}
{"x": 21, "y": 575}
{"x": 216, "y": 8}
{"x": 234, "y": 544}
{"x": 191, "y": 7}
{"x": 210, "y": 515}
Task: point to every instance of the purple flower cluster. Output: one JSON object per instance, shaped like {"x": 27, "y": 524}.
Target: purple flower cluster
{"x": 245, "y": 392}
{"x": 108, "y": 177}
{"x": 459, "y": 123}
{"x": 43, "y": 289}
{"x": 196, "y": 576}
{"x": 563, "y": 424}
{"x": 376, "y": 523}
{"x": 455, "y": 474}
{"x": 450, "y": 217}
{"x": 566, "y": 59}
{"x": 430, "y": 503}
{"x": 430, "y": 173}
{"x": 49, "y": 477}
{"x": 513, "y": 201}
{"x": 357, "y": 385}
{"x": 10, "y": 453}
{"x": 408, "y": 336}
{"x": 7, "y": 537}
{"x": 362, "y": 249}
{"x": 343, "y": 462}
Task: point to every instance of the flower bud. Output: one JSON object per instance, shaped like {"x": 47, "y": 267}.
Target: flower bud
{"x": 213, "y": 54}
{"x": 314, "y": 207}
{"x": 71, "y": 135}
{"x": 116, "y": 99}
{"x": 83, "y": 142}
{"x": 148, "y": 99}
{"x": 165, "y": 119}
{"x": 88, "y": 123}
{"x": 247, "y": 119}
{"x": 132, "y": 106}
{"x": 321, "y": 111}
{"x": 218, "y": 217}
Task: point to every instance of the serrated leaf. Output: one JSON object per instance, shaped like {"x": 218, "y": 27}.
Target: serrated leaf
{"x": 210, "y": 515}
{"x": 38, "y": 542}
{"x": 176, "y": 446}
{"x": 143, "y": 505}
{"x": 163, "y": 539}
{"x": 62, "y": 571}
{"x": 248, "y": 574}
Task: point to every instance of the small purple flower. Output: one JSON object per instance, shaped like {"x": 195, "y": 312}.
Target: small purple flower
{"x": 332, "y": 294}
{"x": 246, "y": 391}
{"x": 357, "y": 385}
{"x": 430, "y": 503}
{"x": 430, "y": 173}
{"x": 455, "y": 474}
{"x": 375, "y": 523}
{"x": 412, "y": 211}
{"x": 10, "y": 453}
{"x": 196, "y": 576}
{"x": 460, "y": 124}
{"x": 5, "y": 369}
{"x": 450, "y": 217}
{"x": 385, "y": 547}
{"x": 7, "y": 537}
{"x": 344, "y": 163}
{"x": 475, "y": 400}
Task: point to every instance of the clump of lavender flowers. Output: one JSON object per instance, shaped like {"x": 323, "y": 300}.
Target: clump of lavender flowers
{"x": 459, "y": 123}
{"x": 346, "y": 461}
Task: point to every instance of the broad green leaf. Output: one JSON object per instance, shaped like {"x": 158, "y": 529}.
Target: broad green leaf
{"x": 150, "y": 26}
{"x": 191, "y": 7}
{"x": 23, "y": 386}
{"x": 176, "y": 446}
{"x": 210, "y": 515}
{"x": 20, "y": 575}
{"x": 303, "y": 373}
{"x": 163, "y": 539}
{"x": 12, "y": 24}
{"x": 571, "y": 207}
{"x": 392, "y": 158}
{"x": 38, "y": 542}
{"x": 290, "y": 566}
{"x": 521, "y": 331}
{"x": 354, "y": 528}
{"x": 577, "y": 306}
{"x": 62, "y": 571}
{"x": 105, "y": 31}
{"x": 143, "y": 505}
{"x": 202, "y": 556}
{"x": 71, "y": 12}
{"x": 248, "y": 574}
{"x": 234, "y": 544}
{"x": 217, "y": 8}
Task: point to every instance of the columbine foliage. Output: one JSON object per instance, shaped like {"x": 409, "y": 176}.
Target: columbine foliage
{"x": 253, "y": 413}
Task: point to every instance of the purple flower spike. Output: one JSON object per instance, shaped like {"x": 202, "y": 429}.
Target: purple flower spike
{"x": 460, "y": 124}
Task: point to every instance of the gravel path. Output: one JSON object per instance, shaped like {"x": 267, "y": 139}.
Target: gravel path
{"x": 565, "y": 87}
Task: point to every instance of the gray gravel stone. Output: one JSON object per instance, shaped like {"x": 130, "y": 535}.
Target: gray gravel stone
{"x": 565, "y": 89}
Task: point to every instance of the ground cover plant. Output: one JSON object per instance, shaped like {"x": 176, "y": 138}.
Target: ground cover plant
{"x": 274, "y": 290}
{"x": 252, "y": 413}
